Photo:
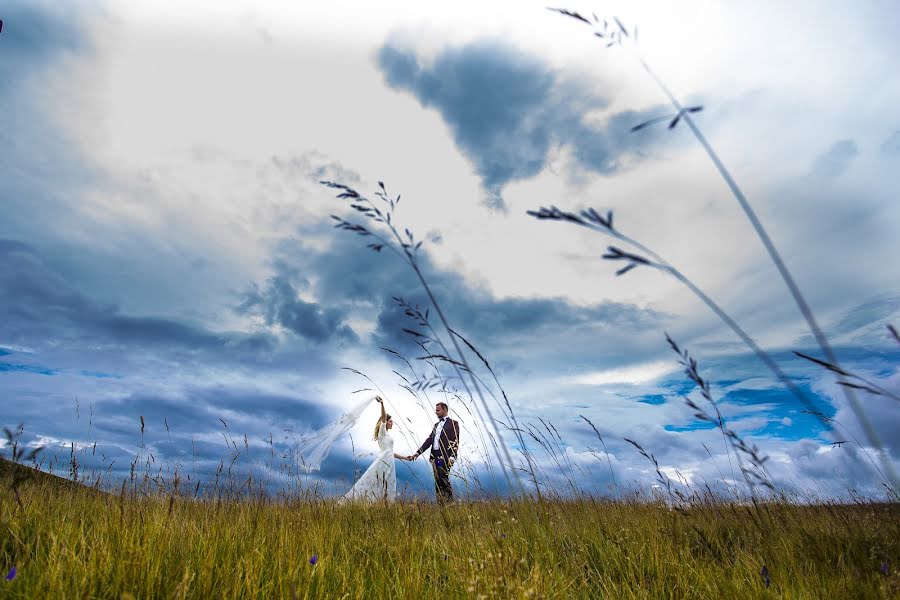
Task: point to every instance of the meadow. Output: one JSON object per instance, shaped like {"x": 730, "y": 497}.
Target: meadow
{"x": 70, "y": 541}
{"x": 164, "y": 538}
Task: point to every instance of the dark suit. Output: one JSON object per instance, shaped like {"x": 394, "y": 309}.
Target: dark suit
{"x": 448, "y": 445}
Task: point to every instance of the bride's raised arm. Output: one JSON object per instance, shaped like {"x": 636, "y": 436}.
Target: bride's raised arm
{"x": 379, "y": 400}
{"x": 381, "y": 425}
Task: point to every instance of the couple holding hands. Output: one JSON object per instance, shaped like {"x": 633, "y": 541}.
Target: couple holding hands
{"x": 380, "y": 479}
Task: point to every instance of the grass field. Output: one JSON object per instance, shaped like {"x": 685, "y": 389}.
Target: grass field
{"x": 71, "y": 542}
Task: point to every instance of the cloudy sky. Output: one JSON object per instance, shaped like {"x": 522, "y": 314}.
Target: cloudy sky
{"x": 167, "y": 252}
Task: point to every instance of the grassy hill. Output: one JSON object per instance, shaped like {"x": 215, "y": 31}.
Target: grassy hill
{"x": 25, "y": 475}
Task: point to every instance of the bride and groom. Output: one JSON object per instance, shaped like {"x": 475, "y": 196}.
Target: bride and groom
{"x": 379, "y": 482}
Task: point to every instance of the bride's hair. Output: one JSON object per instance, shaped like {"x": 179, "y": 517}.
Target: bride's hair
{"x": 378, "y": 425}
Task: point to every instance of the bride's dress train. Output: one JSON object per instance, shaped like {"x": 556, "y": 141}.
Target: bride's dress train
{"x": 379, "y": 482}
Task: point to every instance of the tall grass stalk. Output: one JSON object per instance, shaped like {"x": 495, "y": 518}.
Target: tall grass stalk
{"x": 616, "y": 34}
{"x": 594, "y": 221}
{"x": 420, "y": 385}
{"x": 406, "y": 250}
{"x": 752, "y": 476}
{"x": 421, "y": 319}
{"x": 606, "y": 452}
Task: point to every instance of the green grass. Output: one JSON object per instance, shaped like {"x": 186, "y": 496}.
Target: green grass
{"x": 71, "y": 543}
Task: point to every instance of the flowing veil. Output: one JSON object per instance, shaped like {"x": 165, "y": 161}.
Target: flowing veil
{"x": 314, "y": 447}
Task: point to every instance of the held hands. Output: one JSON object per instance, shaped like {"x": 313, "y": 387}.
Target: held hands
{"x": 450, "y": 461}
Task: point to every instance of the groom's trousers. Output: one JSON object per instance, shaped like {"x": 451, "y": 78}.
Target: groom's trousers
{"x": 442, "y": 488}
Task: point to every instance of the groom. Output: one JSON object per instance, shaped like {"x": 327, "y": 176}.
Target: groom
{"x": 444, "y": 443}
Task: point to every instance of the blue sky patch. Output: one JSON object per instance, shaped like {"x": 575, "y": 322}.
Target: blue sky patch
{"x": 654, "y": 399}
{"x": 16, "y": 368}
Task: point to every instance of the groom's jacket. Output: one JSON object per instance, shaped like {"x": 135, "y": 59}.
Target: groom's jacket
{"x": 448, "y": 442}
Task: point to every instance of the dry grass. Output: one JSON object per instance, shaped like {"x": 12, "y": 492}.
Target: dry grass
{"x": 69, "y": 543}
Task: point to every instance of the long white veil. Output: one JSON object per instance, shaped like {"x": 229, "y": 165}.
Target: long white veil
{"x": 314, "y": 447}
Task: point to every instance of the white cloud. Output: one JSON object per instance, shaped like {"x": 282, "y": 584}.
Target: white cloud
{"x": 631, "y": 375}
{"x": 754, "y": 383}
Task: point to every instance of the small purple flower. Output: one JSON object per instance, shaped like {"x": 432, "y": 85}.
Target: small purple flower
{"x": 764, "y": 573}
{"x": 11, "y": 575}
{"x": 883, "y": 567}
{"x": 503, "y": 535}
{"x": 314, "y": 559}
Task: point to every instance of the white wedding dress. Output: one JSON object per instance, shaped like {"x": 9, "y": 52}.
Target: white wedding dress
{"x": 379, "y": 482}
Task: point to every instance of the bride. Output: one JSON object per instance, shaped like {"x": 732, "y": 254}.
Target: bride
{"x": 379, "y": 482}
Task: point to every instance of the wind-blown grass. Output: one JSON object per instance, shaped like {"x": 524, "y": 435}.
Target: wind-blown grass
{"x": 613, "y": 33}
{"x": 66, "y": 543}
{"x": 383, "y": 228}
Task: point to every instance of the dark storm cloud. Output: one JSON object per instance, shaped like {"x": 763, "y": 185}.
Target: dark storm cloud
{"x": 38, "y": 305}
{"x": 507, "y": 110}
{"x": 836, "y": 160}
{"x": 198, "y": 410}
{"x": 199, "y": 426}
{"x": 35, "y": 167}
{"x": 279, "y": 302}
{"x": 350, "y": 277}
{"x": 533, "y": 315}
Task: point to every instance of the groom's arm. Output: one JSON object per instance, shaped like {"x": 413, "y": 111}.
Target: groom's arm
{"x": 424, "y": 447}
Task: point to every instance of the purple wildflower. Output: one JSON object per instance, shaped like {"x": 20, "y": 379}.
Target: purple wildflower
{"x": 764, "y": 573}
{"x": 883, "y": 567}
{"x": 11, "y": 575}
{"x": 314, "y": 559}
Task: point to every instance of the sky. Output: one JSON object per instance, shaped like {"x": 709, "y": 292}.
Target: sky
{"x": 168, "y": 253}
